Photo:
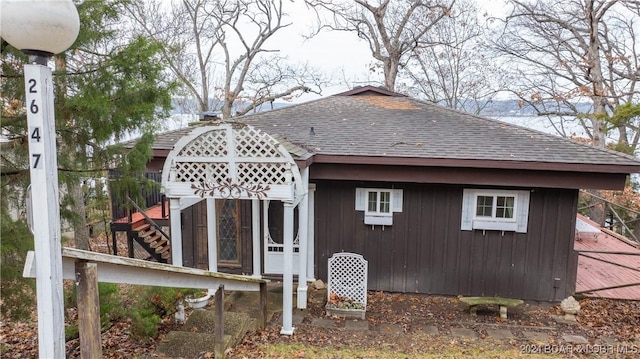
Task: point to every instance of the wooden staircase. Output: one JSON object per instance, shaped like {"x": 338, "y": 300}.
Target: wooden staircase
{"x": 152, "y": 240}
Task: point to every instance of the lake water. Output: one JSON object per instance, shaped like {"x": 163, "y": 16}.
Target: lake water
{"x": 543, "y": 124}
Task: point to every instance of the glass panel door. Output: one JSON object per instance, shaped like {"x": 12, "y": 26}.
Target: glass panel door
{"x": 228, "y": 223}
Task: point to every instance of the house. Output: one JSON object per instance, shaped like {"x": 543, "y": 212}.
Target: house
{"x": 437, "y": 201}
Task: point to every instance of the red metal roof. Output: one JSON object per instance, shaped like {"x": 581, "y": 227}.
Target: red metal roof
{"x": 594, "y": 274}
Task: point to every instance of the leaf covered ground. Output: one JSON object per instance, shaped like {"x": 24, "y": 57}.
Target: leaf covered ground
{"x": 394, "y": 321}
{"x": 601, "y": 321}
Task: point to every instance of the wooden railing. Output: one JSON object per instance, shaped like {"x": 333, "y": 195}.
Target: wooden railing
{"x": 151, "y": 196}
{"x": 149, "y": 220}
{"x": 88, "y": 268}
{"x": 615, "y": 223}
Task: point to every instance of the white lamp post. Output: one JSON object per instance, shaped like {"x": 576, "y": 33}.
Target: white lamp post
{"x": 40, "y": 29}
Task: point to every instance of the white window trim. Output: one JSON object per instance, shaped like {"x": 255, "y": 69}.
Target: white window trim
{"x": 471, "y": 221}
{"x": 378, "y": 202}
{"x": 378, "y": 218}
{"x": 495, "y": 195}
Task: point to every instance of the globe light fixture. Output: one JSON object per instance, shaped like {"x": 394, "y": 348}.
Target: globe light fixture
{"x": 42, "y": 28}
{"x": 39, "y": 27}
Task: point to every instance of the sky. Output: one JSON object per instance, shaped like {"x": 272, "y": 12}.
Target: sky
{"x": 335, "y": 51}
{"x": 332, "y": 52}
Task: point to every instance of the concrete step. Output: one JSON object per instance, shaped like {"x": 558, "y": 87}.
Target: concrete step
{"x": 197, "y": 334}
{"x": 249, "y": 302}
{"x": 235, "y": 324}
{"x": 182, "y": 344}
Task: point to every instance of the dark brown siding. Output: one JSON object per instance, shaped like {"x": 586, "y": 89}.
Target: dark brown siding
{"x": 425, "y": 251}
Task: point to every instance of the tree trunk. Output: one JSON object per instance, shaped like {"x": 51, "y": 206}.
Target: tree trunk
{"x": 597, "y": 208}
{"x": 80, "y": 232}
{"x": 597, "y": 79}
{"x": 390, "y": 72}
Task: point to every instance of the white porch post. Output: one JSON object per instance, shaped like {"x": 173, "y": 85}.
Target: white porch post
{"x": 176, "y": 231}
{"x": 212, "y": 235}
{"x": 45, "y": 209}
{"x": 287, "y": 276}
{"x": 265, "y": 230}
{"x": 311, "y": 237}
{"x": 303, "y": 223}
{"x": 41, "y": 29}
{"x": 255, "y": 227}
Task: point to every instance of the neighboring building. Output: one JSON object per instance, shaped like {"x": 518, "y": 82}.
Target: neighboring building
{"x": 437, "y": 201}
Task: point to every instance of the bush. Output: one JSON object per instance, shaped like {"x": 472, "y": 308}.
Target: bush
{"x": 147, "y": 305}
{"x": 144, "y": 324}
{"x": 110, "y": 302}
{"x": 71, "y": 332}
{"x": 17, "y": 293}
{"x": 164, "y": 299}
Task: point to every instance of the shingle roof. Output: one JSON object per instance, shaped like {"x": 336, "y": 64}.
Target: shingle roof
{"x": 377, "y": 125}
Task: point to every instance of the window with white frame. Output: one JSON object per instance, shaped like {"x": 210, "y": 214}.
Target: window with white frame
{"x": 378, "y": 204}
{"x": 501, "y": 210}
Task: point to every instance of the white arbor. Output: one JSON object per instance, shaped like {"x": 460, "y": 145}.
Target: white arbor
{"x": 231, "y": 160}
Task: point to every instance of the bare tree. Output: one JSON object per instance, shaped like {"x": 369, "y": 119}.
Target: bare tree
{"x": 456, "y": 68}
{"x": 567, "y": 52}
{"x": 393, "y": 29}
{"x": 212, "y": 48}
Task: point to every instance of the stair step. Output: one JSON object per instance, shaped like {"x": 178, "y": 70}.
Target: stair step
{"x": 141, "y": 227}
{"x": 166, "y": 255}
{"x": 184, "y": 344}
{"x": 152, "y": 238}
{"x": 158, "y": 243}
{"x": 160, "y": 250}
{"x": 204, "y": 322}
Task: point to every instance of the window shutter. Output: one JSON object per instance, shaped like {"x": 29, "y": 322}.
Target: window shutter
{"x": 396, "y": 197}
{"x": 467, "y": 210}
{"x": 523, "y": 211}
{"x": 361, "y": 199}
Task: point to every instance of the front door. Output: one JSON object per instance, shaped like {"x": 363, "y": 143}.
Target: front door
{"x": 273, "y": 239}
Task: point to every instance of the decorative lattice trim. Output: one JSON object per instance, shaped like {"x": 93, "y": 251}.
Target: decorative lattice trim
{"x": 228, "y": 189}
{"x": 251, "y": 142}
{"x": 273, "y": 173}
{"x": 196, "y": 172}
{"x": 232, "y": 160}
{"x": 208, "y": 144}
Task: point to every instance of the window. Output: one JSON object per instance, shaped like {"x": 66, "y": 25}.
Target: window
{"x": 500, "y": 210}
{"x": 495, "y": 207}
{"x": 378, "y": 204}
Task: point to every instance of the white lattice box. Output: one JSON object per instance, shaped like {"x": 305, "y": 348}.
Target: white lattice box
{"x": 347, "y": 285}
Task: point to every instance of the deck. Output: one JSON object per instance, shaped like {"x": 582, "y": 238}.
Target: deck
{"x": 595, "y": 274}
{"x": 154, "y": 213}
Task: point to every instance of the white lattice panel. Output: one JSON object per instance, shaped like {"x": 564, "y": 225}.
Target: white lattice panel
{"x": 231, "y": 160}
{"x": 251, "y": 142}
{"x": 209, "y": 144}
{"x": 348, "y": 277}
{"x": 201, "y": 171}
{"x": 274, "y": 173}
